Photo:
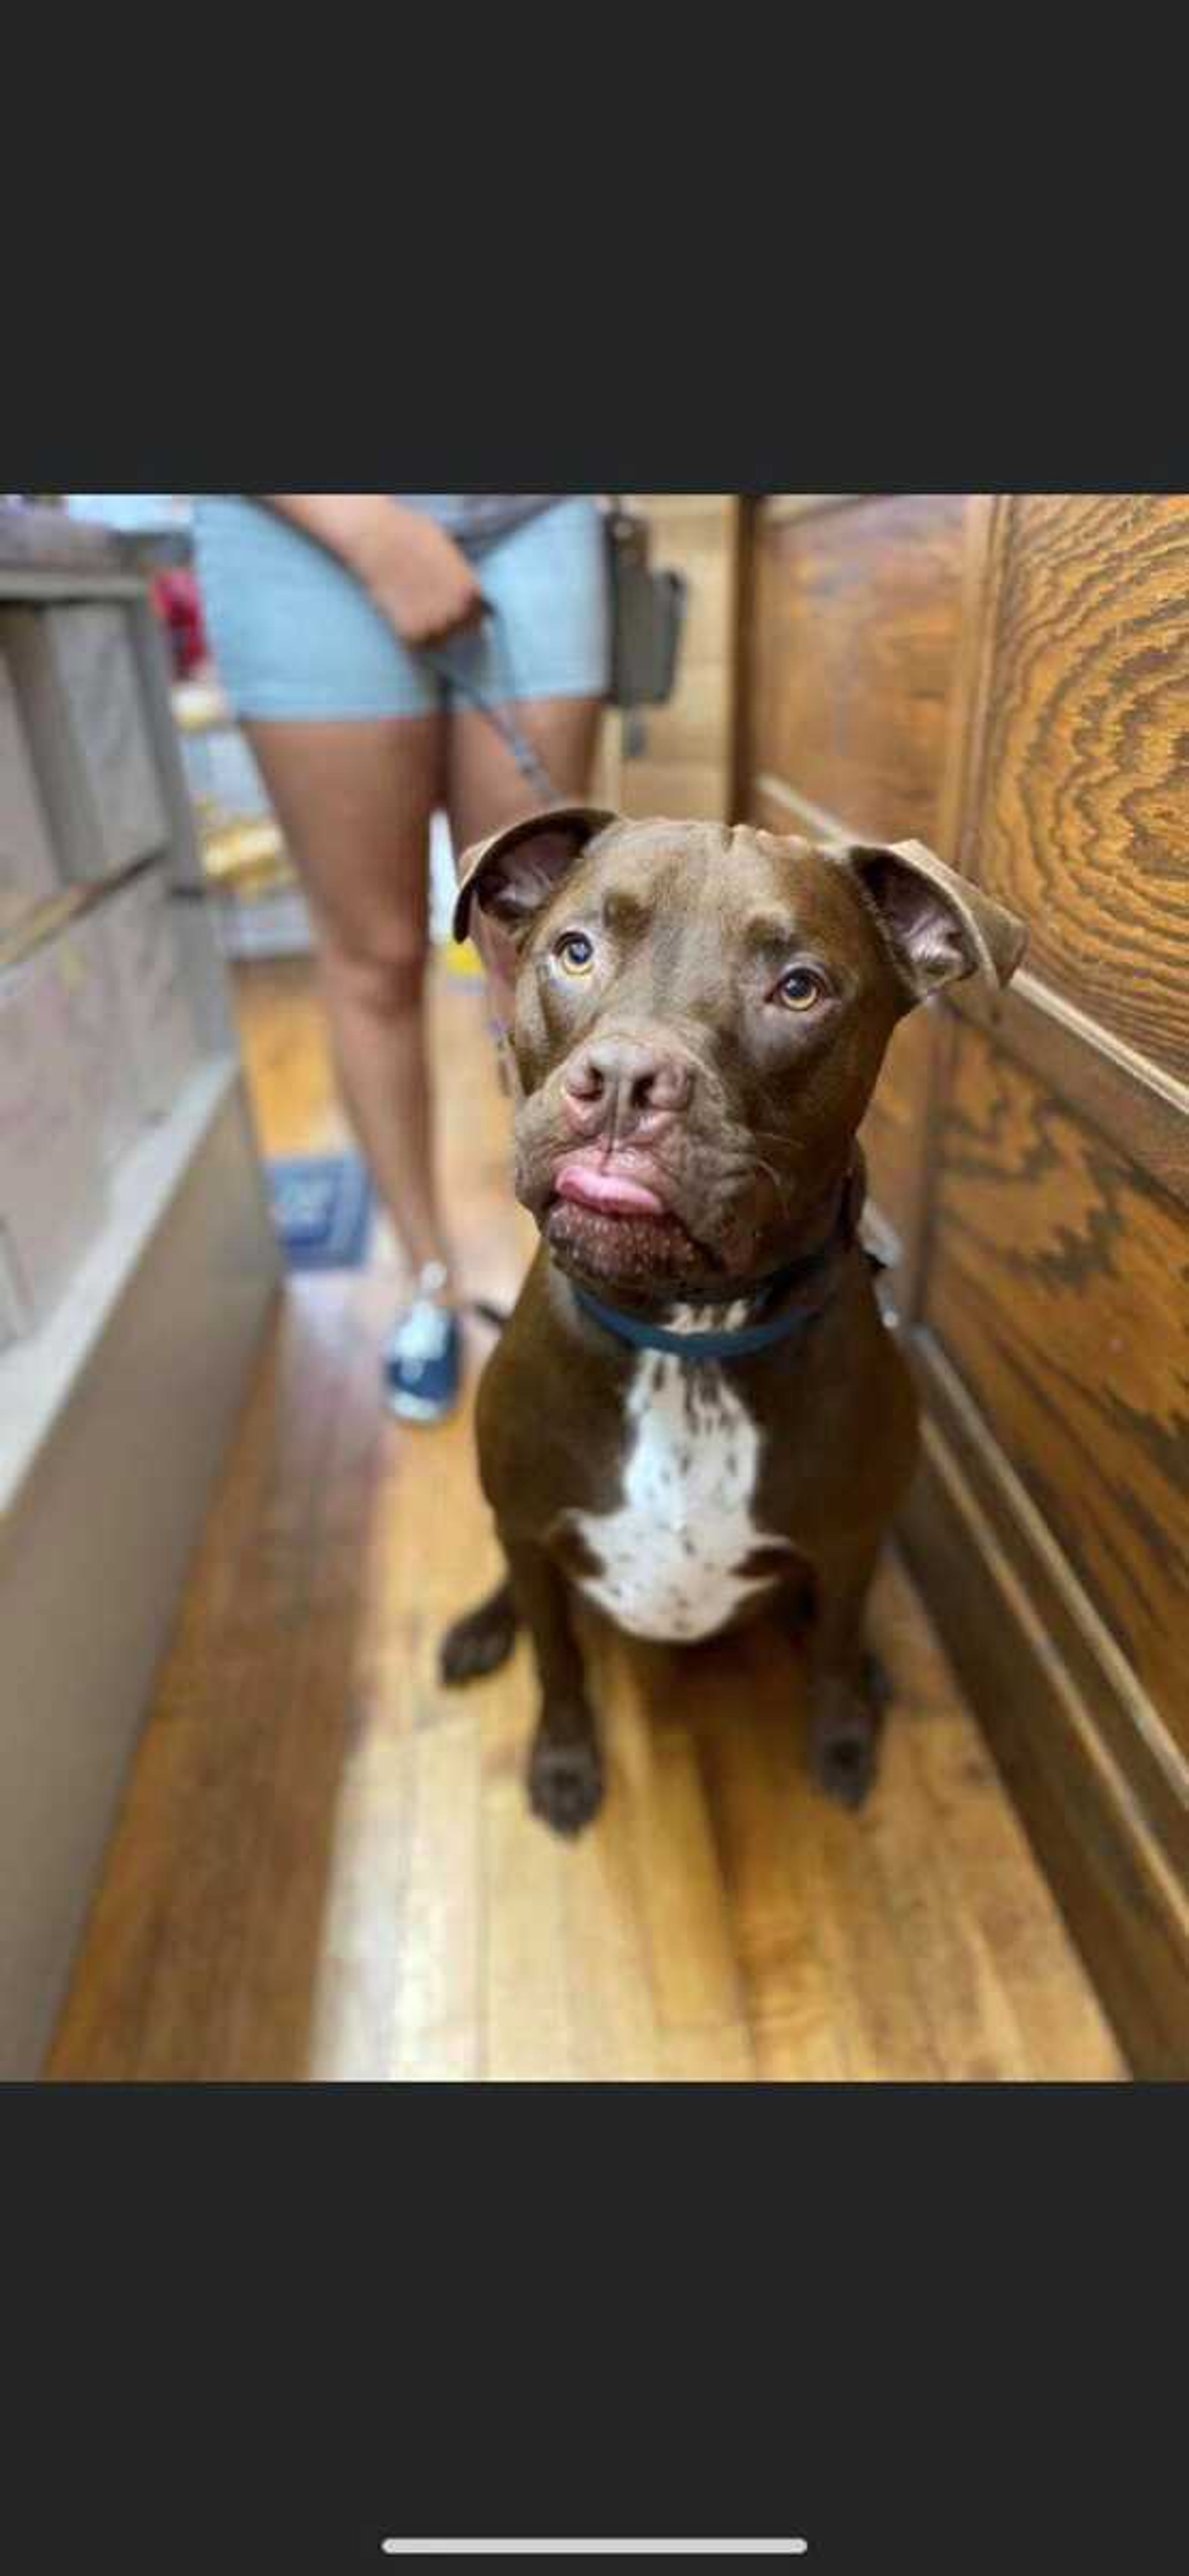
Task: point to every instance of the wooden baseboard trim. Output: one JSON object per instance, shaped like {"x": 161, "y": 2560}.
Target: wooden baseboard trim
{"x": 1115, "y": 1887}
{"x": 1122, "y": 1718}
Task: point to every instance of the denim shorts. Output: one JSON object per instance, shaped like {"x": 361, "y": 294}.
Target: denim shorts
{"x": 295, "y": 636}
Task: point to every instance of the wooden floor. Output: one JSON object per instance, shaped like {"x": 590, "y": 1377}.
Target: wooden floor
{"x": 325, "y": 1867}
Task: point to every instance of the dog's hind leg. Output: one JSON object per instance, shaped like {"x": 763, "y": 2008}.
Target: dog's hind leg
{"x": 482, "y": 1640}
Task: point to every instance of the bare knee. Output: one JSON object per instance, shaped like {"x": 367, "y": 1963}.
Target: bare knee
{"x": 379, "y": 973}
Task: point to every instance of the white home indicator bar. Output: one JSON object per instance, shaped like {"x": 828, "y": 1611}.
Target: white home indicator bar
{"x": 594, "y": 2548}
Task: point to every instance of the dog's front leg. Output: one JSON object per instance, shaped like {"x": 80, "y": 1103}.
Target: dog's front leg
{"x": 847, "y": 1688}
{"x": 565, "y": 1775}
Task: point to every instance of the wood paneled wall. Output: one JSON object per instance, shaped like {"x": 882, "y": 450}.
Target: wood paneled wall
{"x": 1008, "y": 680}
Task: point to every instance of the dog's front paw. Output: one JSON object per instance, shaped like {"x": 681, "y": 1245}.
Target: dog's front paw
{"x": 844, "y": 1737}
{"x": 480, "y": 1643}
{"x": 565, "y": 1783}
{"x": 844, "y": 1764}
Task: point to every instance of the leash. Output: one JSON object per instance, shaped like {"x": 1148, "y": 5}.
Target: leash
{"x": 528, "y": 761}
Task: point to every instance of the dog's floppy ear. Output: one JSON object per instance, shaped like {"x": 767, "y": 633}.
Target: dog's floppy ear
{"x": 504, "y": 881}
{"x": 937, "y": 925}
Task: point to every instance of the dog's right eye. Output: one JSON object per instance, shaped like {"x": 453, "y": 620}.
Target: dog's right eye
{"x": 575, "y": 952}
{"x": 800, "y": 988}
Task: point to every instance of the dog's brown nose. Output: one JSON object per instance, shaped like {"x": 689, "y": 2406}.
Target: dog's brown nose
{"x": 626, "y": 1084}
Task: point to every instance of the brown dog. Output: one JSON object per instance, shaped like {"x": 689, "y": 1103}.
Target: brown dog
{"x": 695, "y": 1412}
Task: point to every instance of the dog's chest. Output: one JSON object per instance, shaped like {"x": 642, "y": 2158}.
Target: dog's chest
{"x": 668, "y": 1561}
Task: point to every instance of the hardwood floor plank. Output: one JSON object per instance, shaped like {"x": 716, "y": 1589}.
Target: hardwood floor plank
{"x": 724, "y": 2056}
{"x": 253, "y": 1658}
{"x": 675, "y": 1864}
{"x": 756, "y": 1805}
{"x": 260, "y": 2029}
{"x": 861, "y": 1990}
{"x": 526, "y": 2004}
{"x": 993, "y": 1885}
{"x": 884, "y": 2033}
{"x": 974, "y": 2032}
{"x": 438, "y": 1999}
{"x": 687, "y": 1928}
{"x": 792, "y": 2051}
{"x": 353, "y": 2004}
{"x": 612, "y": 2019}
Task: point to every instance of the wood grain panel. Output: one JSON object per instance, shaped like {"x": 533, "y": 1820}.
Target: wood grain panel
{"x": 1146, "y": 1119}
{"x": 1081, "y": 820}
{"x": 1057, "y": 1288}
{"x": 856, "y": 622}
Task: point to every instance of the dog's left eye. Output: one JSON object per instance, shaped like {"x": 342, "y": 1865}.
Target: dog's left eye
{"x": 800, "y": 988}
{"x": 575, "y": 952}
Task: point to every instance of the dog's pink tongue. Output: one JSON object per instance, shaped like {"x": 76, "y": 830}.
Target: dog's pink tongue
{"x": 600, "y": 1187}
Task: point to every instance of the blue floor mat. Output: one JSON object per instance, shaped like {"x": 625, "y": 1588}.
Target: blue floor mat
{"x": 322, "y": 1209}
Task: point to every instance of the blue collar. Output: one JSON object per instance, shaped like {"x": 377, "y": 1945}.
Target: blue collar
{"x": 737, "y": 1345}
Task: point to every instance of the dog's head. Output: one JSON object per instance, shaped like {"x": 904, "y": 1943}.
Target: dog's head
{"x": 696, "y": 1018}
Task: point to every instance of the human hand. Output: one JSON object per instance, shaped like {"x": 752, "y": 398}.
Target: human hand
{"x": 420, "y": 580}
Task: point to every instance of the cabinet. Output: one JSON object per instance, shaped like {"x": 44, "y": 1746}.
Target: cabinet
{"x": 116, "y": 1409}
{"x": 1007, "y": 679}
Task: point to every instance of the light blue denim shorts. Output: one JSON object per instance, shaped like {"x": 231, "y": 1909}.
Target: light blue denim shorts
{"x": 295, "y": 636}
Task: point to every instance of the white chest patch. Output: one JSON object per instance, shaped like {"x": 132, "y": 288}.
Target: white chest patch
{"x": 669, "y": 1553}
